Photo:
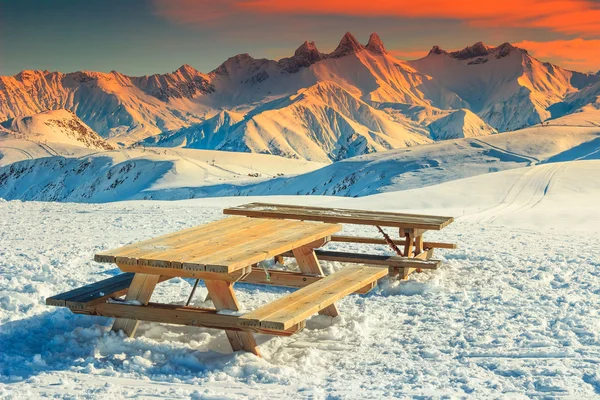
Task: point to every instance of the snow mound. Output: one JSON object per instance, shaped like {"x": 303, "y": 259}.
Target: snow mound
{"x": 56, "y": 126}
{"x": 460, "y": 124}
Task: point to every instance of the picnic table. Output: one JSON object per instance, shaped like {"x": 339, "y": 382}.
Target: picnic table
{"x": 222, "y": 253}
{"x": 413, "y": 254}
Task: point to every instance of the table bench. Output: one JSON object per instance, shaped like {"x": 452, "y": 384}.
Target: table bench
{"x": 222, "y": 253}
{"x": 413, "y": 254}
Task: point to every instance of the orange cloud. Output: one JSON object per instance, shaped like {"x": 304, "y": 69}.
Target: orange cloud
{"x": 580, "y": 17}
{"x": 577, "y": 54}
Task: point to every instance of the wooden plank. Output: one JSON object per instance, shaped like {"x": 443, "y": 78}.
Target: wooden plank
{"x": 338, "y": 215}
{"x": 254, "y": 317}
{"x": 301, "y": 304}
{"x": 372, "y": 259}
{"x": 279, "y": 278}
{"x": 223, "y": 297}
{"x": 215, "y": 236}
{"x": 269, "y": 245}
{"x": 140, "y": 290}
{"x": 181, "y": 315}
{"x": 172, "y": 239}
{"x": 222, "y": 240}
{"x": 400, "y": 242}
{"x": 60, "y": 300}
{"x": 221, "y": 247}
{"x": 182, "y": 273}
{"x": 303, "y": 309}
{"x": 309, "y": 264}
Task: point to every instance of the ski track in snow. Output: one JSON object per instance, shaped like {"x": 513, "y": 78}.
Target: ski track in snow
{"x": 26, "y": 153}
{"x": 529, "y": 189}
{"x": 531, "y": 160}
{"x": 494, "y": 322}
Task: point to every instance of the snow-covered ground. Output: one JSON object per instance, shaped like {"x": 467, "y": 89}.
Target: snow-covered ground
{"x": 60, "y": 172}
{"x": 513, "y": 313}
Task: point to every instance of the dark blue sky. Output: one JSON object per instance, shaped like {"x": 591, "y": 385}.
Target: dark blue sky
{"x": 140, "y": 37}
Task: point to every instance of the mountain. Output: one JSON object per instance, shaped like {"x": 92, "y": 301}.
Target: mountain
{"x": 321, "y": 123}
{"x": 504, "y": 85}
{"x": 459, "y": 124}
{"x": 56, "y": 126}
{"x": 249, "y": 104}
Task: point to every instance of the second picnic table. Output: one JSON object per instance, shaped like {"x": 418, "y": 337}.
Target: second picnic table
{"x": 412, "y": 252}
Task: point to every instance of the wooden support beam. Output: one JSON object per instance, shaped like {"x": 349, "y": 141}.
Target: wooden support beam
{"x": 401, "y": 242}
{"x": 223, "y": 297}
{"x": 140, "y": 290}
{"x": 180, "y": 315}
{"x": 309, "y": 264}
{"x": 174, "y": 272}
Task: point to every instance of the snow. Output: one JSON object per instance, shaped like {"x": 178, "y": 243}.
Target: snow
{"x": 511, "y": 313}
{"x": 56, "y": 126}
{"x": 179, "y": 173}
{"x": 255, "y": 105}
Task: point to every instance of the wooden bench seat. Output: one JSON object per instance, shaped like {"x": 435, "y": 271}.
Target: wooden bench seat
{"x": 290, "y": 310}
{"x": 393, "y": 262}
{"x": 88, "y": 296}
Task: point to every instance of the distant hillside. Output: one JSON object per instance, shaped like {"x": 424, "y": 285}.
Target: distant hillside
{"x": 56, "y": 126}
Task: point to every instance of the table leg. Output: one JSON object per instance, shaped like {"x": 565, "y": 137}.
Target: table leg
{"x": 141, "y": 289}
{"x": 309, "y": 264}
{"x": 223, "y": 297}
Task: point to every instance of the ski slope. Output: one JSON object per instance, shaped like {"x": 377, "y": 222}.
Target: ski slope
{"x": 512, "y": 313}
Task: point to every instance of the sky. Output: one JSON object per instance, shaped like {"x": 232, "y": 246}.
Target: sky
{"x": 140, "y": 37}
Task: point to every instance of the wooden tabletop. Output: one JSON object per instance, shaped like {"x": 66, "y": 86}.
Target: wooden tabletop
{"x": 340, "y": 215}
{"x": 223, "y": 246}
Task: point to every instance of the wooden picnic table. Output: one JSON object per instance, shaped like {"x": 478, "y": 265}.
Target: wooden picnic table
{"x": 222, "y": 253}
{"x": 412, "y": 252}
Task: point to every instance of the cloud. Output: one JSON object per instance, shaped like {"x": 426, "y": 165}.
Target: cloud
{"x": 578, "y": 54}
{"x": 581, "y": 17}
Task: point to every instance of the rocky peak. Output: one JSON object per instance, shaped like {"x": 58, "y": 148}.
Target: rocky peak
{"x": 437, "y": 50}
{"x": 477, "y": 50}
{"x": 375, "y": 44}
{"x": 348, "y": 45}
{"x": 307, "y": 49}
{"x": 187, "y": 70}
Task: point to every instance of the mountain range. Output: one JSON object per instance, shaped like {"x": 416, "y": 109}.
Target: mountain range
{"x": 357, "y": 99}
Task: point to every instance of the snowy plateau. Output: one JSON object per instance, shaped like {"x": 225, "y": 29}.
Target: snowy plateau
{"x": 506, "y": 144}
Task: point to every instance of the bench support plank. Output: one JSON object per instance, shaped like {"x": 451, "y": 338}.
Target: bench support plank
{"x": 141, "y": 289}
{"x": 309, "y": 264}
{"x": 223, "y": 297}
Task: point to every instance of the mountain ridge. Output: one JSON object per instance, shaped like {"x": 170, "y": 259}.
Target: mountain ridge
{"x": 504, "y": 86}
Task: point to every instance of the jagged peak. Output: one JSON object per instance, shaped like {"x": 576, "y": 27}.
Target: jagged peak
{"x": 437, "y": 50}
{"x": 186, "y": 68}
{"x": 348, "y": 45}
{"x": 479, "y": 49}
{"x": 306, "y": 48}
{"x": 375, "y": 44}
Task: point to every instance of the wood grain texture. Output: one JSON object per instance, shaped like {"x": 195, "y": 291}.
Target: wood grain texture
{"x": 309, "y": 264}
{"x": 141, "y": 288}
{"x": 219, "y": 247}
{"x": 340, "y": 215}
{"x": 223, "y": 297}
{"x": 372, "y": 259}
{"x": 295, "y": 307}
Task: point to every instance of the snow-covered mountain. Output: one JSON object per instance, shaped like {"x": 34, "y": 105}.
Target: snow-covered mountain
{"x": 56, "y": 126}
{"x": 174, "y": 173}
{"x": 321, "y": 123}
{"x": 460, "y": 124}
{"x": 319, "y": 106}
{"x": 504, "y": 85}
